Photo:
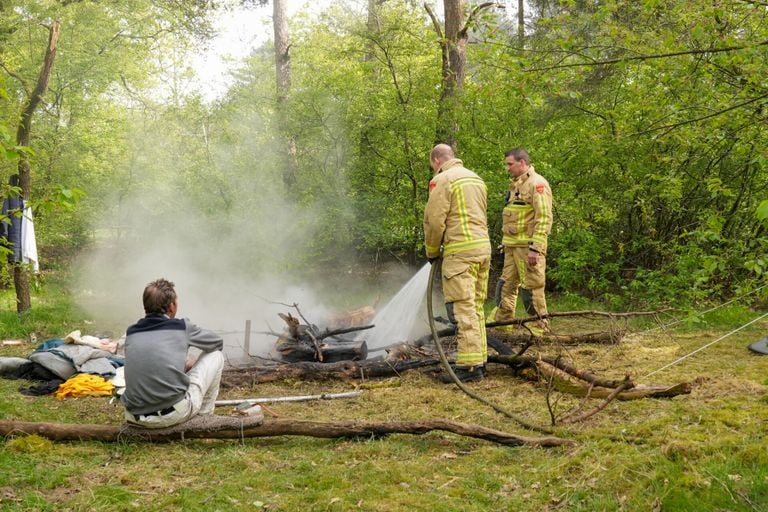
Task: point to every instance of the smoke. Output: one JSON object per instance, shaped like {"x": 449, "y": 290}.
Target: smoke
{"x": 212, "y": 220}
{"x": 227, "y": 269}
{"x": 199, "y": 199}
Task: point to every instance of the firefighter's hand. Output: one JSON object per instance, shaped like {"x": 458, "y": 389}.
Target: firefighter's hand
{"x": 434, "y": 260}
{"x": 533, "y": 257}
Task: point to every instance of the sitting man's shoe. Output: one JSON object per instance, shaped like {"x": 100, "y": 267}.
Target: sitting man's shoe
{"x": 464, "y": 374}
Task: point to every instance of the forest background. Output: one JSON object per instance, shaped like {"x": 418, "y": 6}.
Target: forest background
{"x": 310, "y": 172}
{"x": 648, "y": 118}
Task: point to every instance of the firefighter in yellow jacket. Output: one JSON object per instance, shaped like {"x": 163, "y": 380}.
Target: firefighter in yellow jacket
{"x": 455, "y": 218}
{"x": 527, "y": 222}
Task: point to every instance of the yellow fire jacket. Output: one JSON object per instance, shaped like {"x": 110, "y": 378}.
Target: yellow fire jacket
{"x": 455, "y": 216}
{"x": 527, "y": 216}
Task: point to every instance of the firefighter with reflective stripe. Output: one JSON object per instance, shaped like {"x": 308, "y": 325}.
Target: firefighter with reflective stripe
{"x": 527, "y": 222}
{"x": 456, "y": 227}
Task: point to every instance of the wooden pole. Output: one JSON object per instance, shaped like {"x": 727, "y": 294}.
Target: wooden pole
{"x": 247, "y": 341}
{"x": 303, "y": 398}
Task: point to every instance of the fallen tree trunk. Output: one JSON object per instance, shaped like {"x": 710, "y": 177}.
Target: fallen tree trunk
{"x": 250, "y": 376}
{"x": 235, "y": 428}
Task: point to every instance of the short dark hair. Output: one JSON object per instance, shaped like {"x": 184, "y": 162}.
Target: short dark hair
{"x": 158, "y": 296}
{"x": 518, "y": 154}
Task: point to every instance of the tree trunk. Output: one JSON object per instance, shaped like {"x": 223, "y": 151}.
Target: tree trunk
{"x": 235, "y": 428}
{"x": 453, "y": 47}
{"x": 521, "y": 23}
{"x": 373, "y": 26}
{"x": 283, "y": 85}
{"x": 23, "y": 135}
{"x": 454, "y": 61}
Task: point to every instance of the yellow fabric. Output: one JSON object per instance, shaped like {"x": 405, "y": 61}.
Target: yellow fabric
{"x": 527, "y": 217}
{"x": 455, "y": 216}
{"x": 84, "y": 384}
{"x": 465, "y": 284}
{"x": 491, "y": 317}
{"x": 518, "y": 272}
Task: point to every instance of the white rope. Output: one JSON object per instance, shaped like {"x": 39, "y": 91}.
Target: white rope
{"x": 704, "y": 312}
{"x": 705, "y": 346}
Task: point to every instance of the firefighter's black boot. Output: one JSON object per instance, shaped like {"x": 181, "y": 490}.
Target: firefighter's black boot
{"x": 464, "y": 374}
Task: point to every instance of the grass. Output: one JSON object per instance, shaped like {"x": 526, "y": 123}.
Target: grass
{"x": 699, "y": 452}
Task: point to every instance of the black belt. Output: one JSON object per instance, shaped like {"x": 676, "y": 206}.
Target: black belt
{"x": 161, "y": 412}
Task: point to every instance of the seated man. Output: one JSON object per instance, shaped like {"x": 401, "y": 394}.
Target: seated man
{"x": 161, "y": 390}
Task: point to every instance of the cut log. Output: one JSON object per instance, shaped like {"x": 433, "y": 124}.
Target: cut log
{"x": 331, "y": 351}
{"x": 307, "y": 343}
{"x": 219, "y": 427}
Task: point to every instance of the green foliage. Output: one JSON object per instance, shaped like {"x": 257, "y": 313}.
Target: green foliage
{"x": 646, "y": 118}
{"x": 762, "y": 212}
{"x": 53, "y": 314}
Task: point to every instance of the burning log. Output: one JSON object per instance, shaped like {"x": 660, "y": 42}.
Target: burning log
{"x": 222, "y": 427}
{"x": 354, "y": 318}
{"x": 306, "y": 343}
{"x": 292, "y": 351}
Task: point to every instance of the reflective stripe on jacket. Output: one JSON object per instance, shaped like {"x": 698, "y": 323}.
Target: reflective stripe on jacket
{"x": 455, "y": 216}
{"x": 527, "y": 216}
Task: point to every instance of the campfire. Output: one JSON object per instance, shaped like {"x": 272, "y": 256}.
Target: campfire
{"x": 307, "y": 342}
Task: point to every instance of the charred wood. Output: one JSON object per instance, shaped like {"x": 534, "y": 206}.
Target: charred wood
{"x": 305, "y": 370}
{"x": 293, "y": 351}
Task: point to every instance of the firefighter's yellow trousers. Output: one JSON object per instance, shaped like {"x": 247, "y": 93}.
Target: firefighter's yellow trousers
{"x": 519, "y": 273}
{"x": 465, "y": 284}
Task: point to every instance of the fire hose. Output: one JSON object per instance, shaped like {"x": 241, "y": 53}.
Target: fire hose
{"x": 447, "y": 367}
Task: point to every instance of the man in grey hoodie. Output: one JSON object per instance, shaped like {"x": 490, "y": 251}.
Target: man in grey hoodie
{"x": 161, "y": 388}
